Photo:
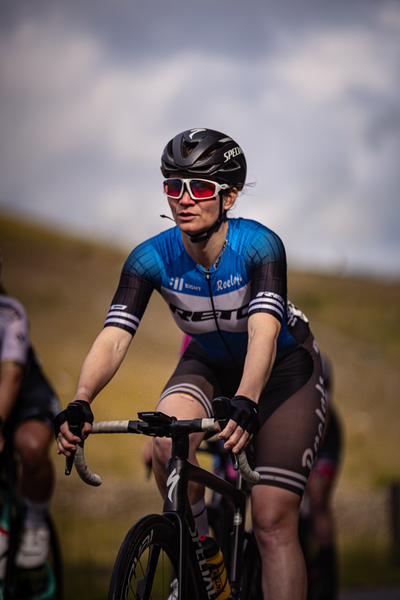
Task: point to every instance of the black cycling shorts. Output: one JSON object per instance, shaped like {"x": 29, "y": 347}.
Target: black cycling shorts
{"x": 39, "y": 403}
{"x": 292, "y": 409}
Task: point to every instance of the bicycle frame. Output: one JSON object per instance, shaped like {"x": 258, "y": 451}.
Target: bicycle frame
{"x": 177, "y": 508}
{"x": 176, "y": 504}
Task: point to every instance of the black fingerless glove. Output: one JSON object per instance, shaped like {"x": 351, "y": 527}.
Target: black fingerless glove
{"x": 87, "y": 415}
{"x": 245, "y": 413}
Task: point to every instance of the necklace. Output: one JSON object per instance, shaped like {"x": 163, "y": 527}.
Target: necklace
{"x": 215, "y": 265}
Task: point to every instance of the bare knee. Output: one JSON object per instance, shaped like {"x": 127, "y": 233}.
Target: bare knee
{"x": 275, "y": 518}
{"x": 32, "y": 442}
{"x": 271, "y": 527}
{"x": 161, "y": 452}
{"x": 183, "y": 408}
{"x": 33, "y": 454}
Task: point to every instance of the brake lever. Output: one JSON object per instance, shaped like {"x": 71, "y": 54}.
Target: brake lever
{"x": 222, "y": 411}
{"x": 75, "y": 424}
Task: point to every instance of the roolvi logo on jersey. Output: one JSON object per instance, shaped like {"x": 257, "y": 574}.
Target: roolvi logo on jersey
{"x": 233, "y": 281}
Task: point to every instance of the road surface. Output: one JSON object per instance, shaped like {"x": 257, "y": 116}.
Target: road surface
{"x": 377, "y": 594}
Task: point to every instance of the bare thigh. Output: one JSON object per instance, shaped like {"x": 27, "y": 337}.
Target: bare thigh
{"x": 183, "y": 407}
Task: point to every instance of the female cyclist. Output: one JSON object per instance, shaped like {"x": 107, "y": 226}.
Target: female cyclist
{"x": 224, "y": 281}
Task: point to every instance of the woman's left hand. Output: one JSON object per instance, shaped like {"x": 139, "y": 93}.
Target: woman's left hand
{"x": 244, "y": 422}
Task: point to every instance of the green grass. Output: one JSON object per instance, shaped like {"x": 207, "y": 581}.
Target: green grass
{"x": 366, "y": 566}
{"x": 365, "y": 309}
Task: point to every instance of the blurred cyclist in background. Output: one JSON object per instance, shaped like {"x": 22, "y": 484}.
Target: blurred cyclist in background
{"x": 28, "y": 405}
{"x": 317, "y": 528}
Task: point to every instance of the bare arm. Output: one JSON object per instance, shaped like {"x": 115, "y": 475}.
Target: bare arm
{"x": 263, "y": 332}
{"x": 263, "y": 335}
{"x": 101, "y": 364}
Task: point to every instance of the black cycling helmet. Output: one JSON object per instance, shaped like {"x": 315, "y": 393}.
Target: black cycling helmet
{"x": 205, "y": 153}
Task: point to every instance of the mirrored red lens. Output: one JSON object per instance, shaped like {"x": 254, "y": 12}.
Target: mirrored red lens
{"x": 173, "y": 187}
{"x": 202, "y": 190}
{"x": 199, "y": 190}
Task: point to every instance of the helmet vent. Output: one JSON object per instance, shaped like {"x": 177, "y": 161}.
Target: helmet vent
{"x": 187, "y": 148}
{"x": 209, "y": 152}
{"x": 233, "y": 165}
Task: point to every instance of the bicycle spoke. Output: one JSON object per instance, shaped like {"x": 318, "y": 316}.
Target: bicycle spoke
{"x": 147, "y": 563}
{"x": 151, "y": 575}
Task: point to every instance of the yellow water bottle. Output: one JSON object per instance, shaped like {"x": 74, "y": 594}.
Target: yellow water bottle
{"x": 215, "y": 561}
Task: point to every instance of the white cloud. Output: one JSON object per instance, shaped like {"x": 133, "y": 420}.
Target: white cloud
{"x": 83, "y": 129}
{"x": 324, "y": 66}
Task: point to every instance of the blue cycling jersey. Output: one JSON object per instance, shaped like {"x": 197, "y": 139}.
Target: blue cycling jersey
{"x": 248, "y": 277}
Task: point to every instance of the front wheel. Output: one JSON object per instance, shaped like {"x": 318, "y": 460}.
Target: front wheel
{"x": 147, "y": 563}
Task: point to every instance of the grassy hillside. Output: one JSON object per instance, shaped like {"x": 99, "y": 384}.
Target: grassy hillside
{"x": 67, "y": 285}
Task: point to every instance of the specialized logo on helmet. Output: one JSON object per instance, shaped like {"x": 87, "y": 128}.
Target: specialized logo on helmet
{"x": 194, "y": 131}
{"x": 232, "y": 153}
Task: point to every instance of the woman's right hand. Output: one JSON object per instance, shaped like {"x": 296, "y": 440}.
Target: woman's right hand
{"x": 66, "y": 439}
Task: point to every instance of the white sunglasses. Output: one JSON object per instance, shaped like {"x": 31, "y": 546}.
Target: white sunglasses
{"x": 198, "y": 189}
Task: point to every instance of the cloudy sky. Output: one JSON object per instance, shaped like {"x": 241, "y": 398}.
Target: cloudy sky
{"x": 91, "y": 91}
